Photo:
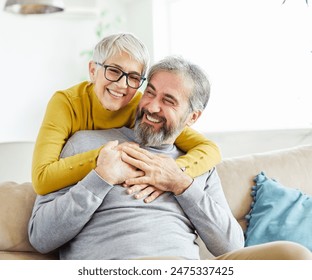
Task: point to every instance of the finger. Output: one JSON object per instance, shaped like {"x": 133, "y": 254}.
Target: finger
{"x": 134, "y": 162}
{"x": 135, "y": 188}
{"x": 137, "y": 173}
{"x": 139, "y": 181}
{"x": 130, "y": 144}
{"x": 111, "y": 145}
{"x": 145, "y": 192}
{"x": 153, "y": 196}
{"x": 138, "y": 153}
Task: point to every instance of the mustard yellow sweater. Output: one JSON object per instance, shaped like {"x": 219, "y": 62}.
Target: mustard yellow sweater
{"x": 78, "y": 108}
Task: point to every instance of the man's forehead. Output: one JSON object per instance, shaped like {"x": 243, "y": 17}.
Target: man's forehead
{"x": 165, "y": 79}
{"x": 170, "y": 83}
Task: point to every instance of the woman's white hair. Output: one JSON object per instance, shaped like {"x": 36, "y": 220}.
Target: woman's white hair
{"x": 122, "y": 42}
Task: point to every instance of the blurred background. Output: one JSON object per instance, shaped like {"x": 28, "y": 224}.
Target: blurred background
{"x": 258, "y": 55}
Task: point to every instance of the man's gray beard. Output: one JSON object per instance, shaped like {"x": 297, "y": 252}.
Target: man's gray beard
{"x": 146, "y": 136}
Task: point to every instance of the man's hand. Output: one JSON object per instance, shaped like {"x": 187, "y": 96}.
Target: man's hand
{"x": 160, "y": 171}
{"x": 149, "y": 192}
{"x": 110, "y": 166}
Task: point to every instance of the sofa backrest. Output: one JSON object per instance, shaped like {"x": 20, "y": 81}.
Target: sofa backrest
{"x": 291, "y": 167}
{"x": 15, "y": 161}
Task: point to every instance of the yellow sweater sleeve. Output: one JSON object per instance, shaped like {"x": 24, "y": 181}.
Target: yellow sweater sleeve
{"x": 49, "y": 171}
{"x": 202, "y": 154}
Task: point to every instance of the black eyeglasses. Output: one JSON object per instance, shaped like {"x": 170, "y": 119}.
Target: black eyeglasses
{"x": 114, "y": 74}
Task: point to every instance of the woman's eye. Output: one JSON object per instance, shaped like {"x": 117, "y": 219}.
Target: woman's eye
{"x": 135, "y": 78}
{"x": 114, "y": 71}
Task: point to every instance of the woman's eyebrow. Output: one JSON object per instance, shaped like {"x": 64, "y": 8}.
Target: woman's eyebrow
{"x": 121, "y": 68}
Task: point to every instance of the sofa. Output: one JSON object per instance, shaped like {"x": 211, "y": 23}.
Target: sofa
{"x": 291, "y": 167}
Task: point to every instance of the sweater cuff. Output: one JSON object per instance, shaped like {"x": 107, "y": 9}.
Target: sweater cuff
{"x": 194, "y": 193}
{"x": 95, "y": 184}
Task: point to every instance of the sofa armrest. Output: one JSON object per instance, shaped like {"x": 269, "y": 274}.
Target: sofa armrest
{"x": 291, "y": 167}
{"x": 16, "y": 204}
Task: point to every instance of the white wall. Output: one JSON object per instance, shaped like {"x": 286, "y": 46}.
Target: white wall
{"x": 40, "y": 54}
{"x": 258, "y": 55}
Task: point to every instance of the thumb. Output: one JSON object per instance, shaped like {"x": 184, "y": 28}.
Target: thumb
{"x": 111, "y": 145}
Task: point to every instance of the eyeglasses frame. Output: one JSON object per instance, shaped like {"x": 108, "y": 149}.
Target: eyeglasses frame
{"x": 123, "y": 74}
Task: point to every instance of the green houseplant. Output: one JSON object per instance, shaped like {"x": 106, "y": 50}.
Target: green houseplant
{"x": 103, "y": 26}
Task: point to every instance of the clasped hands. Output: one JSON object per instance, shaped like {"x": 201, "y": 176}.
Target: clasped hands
{"x": 143, "y": 173}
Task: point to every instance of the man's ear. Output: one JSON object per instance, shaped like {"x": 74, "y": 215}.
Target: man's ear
{"x": 92, "y": 71}
{"x": 193, "y": 117}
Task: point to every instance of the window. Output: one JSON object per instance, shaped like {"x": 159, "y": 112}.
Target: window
{"x": 258, "y": 55}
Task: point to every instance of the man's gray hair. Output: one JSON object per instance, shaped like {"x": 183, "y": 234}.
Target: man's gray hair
{"x": 192, "y": 73}
{"x": 116, "y": 43}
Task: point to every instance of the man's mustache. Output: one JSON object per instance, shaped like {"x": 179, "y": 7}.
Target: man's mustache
{"x": 152, "y": 115}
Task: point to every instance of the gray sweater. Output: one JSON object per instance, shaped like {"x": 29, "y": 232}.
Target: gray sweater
{"x": 95, "y": 220}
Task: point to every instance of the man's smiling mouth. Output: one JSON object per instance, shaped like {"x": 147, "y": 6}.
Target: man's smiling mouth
{"x": 151, "y": 119}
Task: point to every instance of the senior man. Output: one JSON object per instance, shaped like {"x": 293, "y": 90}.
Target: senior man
{"x": 98, "y": 219}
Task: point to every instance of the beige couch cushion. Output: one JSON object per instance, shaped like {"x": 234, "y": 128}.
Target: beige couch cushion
{"x": 291, "y": 167}
{"x": 16, "y": 202}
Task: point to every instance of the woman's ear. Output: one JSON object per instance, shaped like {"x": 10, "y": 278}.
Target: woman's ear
{"x": 92, "y": 71}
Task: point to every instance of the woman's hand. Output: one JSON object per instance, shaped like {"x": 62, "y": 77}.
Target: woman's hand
{"x": 160, "y": 171}
{"x": 112, "y": 168}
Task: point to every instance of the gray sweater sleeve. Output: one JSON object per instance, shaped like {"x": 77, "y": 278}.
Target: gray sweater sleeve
{"x": 58, "y": 217}
{"x": 208, "y": 210}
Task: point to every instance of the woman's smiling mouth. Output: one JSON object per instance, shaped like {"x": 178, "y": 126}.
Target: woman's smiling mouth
{"x": 115, "y": 93}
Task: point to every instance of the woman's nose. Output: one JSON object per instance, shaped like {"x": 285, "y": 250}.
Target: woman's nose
{"x": 123, "y": 82}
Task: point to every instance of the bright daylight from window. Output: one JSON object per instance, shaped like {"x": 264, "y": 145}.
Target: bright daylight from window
{"x": 258, "y": 55}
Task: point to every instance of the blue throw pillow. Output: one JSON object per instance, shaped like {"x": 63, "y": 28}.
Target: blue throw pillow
{"x": 278, "y": 213}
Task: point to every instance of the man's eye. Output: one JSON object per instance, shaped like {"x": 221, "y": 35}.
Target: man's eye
{"x": 168, "y": 102}
{"x": 149, "y": 93}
